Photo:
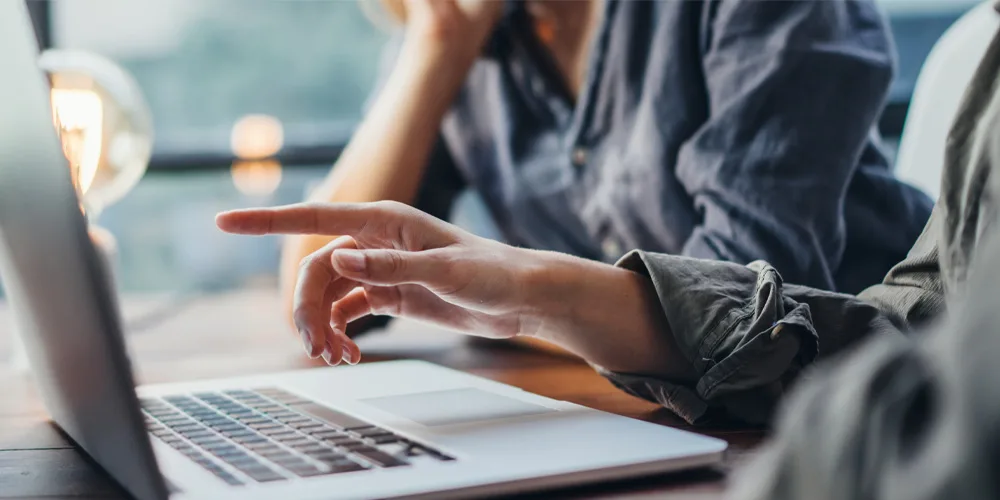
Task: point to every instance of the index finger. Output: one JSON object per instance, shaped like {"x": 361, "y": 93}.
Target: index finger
{"x": 301, "y": 218}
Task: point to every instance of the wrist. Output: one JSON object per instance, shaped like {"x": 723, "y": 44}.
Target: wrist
{"x": 569, "y": 294}
{"x": 607, "y": 315}
{"x": 429, "y": 56}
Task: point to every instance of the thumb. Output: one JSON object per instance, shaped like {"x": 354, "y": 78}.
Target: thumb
{"x": 384, "y": 267}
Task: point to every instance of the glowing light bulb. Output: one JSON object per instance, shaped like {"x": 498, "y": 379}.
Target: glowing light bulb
{"x": 256, "y": 137}
{"x": 103, "y": 122}
{"x": 79, "y": 115}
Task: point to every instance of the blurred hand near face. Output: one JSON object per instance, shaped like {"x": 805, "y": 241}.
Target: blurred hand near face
{"x": 450, "y": 21}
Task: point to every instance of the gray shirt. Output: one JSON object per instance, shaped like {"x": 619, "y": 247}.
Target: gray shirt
{"x": 906, "y": 402}
{"x": 731, "y": 130}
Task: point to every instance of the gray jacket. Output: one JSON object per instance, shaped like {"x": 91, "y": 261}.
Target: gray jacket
{"x": 906, "y": 404}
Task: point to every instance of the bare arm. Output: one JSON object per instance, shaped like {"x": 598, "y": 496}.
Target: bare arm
{"x": 386, "y": 158}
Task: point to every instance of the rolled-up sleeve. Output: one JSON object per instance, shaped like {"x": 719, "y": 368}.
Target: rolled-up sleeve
{"x": 747, "y": 334}
{"x": 794, "y": 89}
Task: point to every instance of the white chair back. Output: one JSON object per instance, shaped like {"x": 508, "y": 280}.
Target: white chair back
{"x": 938, "y": 93}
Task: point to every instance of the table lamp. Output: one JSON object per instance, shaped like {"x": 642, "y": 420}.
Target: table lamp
{"x": 105, "y": 128}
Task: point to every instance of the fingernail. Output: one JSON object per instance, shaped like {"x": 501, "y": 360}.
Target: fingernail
{"x": 307, "y": 343}
{"x": 347, "y": 356}
{"x": 328, "y": 353}
{"x": 350, "y": 260}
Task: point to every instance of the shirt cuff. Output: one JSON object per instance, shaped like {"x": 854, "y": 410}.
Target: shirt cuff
{"x": 746, "y": 340}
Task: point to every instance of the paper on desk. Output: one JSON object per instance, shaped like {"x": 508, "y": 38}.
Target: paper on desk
{"x": 408, "y": 335}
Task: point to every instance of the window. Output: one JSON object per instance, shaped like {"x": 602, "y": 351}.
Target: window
{"x": 204, "y": 64}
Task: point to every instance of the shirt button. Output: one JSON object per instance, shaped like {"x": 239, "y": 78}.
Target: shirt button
{"x": 777, "y": 331}
{"x": 538, "y": 86}
{"x": 611, "y": 248}
{"x": 579, "y": 156}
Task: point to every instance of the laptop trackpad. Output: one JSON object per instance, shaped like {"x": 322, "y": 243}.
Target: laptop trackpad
{"x": 455, "y": 406}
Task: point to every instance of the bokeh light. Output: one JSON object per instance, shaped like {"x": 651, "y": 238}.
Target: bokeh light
{"x": 256, "y": 177}
{"x": 256, "y": 137}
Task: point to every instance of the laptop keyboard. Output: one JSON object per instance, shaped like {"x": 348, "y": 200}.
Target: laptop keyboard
{"x": 267, "y": 434}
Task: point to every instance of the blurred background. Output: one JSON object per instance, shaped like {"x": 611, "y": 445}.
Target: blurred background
{"x": 215, "y": 72}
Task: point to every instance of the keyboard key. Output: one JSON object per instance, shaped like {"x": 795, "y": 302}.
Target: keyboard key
{"x": 327, "y": 456}
{"x": 310, "y": 446}
{"x": 325, "y": 432}
{"x": 307, "y": 471}
{"x": 263, "y": 445}
{"x": 372, "y": 432}
{"x": 206, "y": 441}
{"x": 379, "y": 457}
{"x": 197, "y": 434}
{"x": 385, "y": 438}
{"x": 266, "y": 426}
{"x": 241, "y": 461}
{"x": 318, "y": 452}
{"x": 273, "y": 453}
{"x": 344, "y": 466}
{"x": 251, "y": 439}
{"x": 309, "y": 427}
{"x": 226, "y": 453}
{"x": 341, "y": 440}
{"x": 352, "y": 444}
{"x": 288, "y": 460}
{"x": 263, "y": 475}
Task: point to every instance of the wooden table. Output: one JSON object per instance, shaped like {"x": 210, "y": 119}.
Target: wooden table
{"x": 242, "y": 332}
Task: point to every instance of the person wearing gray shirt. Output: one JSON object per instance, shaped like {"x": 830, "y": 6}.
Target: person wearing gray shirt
{"x": 886, "y": 394}
{"x": 911, "y": 415}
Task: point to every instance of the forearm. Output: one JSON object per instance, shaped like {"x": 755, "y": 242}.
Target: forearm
{"x": 387, "y": 156}
{"x": 607, "y": 315}
{"x": 385, "y": 159}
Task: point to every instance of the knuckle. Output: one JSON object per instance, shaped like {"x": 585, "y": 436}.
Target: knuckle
{"x": 337, "y": 315}
{"x": 383, "y": 207}
{"x": 395, "y": 263}
{"x": 307, "y": 263}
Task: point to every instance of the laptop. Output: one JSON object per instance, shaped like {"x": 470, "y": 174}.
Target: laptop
{"x": 400, "y": 429}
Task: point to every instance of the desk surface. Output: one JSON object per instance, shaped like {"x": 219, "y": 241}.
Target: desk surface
{"x": 214, "y": 336}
